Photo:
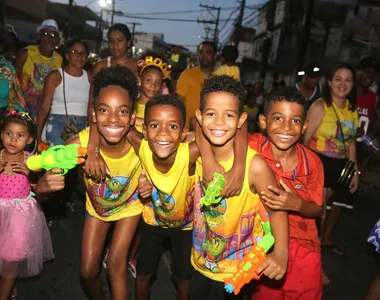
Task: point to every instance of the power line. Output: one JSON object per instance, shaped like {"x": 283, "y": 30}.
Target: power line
{"x": 229, "y": 18}
{"x": 179, "y": 11}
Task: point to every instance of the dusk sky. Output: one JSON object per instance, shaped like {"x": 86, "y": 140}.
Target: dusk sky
{"x": 183, "y": 33}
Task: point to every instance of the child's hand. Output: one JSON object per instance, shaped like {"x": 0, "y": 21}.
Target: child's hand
{"x": 354, "y": 184}
{"x": 95, "y": 165}
{"x": 274, "y": 266}
{"x": 234, "y": 182}
{"x": 2, "y": 165}
{"x": 50, "y": 182}
{"x": 278, "y": 199}
{"x": 209, "y": 168}
{"x": 145, "y": 188}
{"x": 20, "y": 167}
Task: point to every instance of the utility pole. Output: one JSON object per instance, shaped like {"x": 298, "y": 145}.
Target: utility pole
{"x": 134, "y": 24}
{"x": 113, "y": 11}
{"x": 239, "y": 22}
{"x": 270, "y": 12}
{"x": 303, "y": 36}
{"x": 214, "y": 22}
{"x": 100, "y": 32}
{"x": 68, "y": 21}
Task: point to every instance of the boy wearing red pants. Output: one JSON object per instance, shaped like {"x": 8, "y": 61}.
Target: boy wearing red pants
{"x": 300, "y": 175}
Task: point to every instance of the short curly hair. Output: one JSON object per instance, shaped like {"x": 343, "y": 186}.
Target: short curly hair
{"x": 119, "y": 76}
{"x": 169, "y": 100}
{"x": 283, "y": 93}
{"x": 223, "y": 84}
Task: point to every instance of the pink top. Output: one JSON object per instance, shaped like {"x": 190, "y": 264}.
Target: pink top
{"x": 15, "y": 186}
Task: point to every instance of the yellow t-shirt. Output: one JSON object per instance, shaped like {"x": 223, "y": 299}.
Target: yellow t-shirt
{"x": 328, "y": 138}
{"x": 116, "y": 198}
{"x": 33, "y": 75}
{"x": 225, "y": 232}
{"x": 232, "y": 71}
{"x": 189, "y": 86}
{"x": 140, "y": 113}
{"x": 172, "y": 197}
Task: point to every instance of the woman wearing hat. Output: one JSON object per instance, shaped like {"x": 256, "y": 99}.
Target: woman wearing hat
{"x": 35, "y": 62}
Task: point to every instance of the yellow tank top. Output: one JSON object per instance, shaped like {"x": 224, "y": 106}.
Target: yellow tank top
{"x": 328, "y": 138}
{"x": 172, "y": 197}
{"x": 140, "y": 113}
{"x": 33, "y": 75}
{"x": 117, "y": 197}
{"x": 225, "y": 232}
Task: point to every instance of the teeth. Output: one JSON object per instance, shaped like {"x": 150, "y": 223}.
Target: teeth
{"x": 163, "y": 143}
{"x": 284, "y": 136}
{"x": 113, "y": 130}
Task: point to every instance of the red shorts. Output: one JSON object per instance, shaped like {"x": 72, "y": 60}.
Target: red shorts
{"x": 303, "y": 279}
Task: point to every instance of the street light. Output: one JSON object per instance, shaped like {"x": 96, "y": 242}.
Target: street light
{"x": 104, "y": 3}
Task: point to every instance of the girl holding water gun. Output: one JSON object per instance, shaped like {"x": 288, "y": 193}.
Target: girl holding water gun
{"x": 24, "y": 237}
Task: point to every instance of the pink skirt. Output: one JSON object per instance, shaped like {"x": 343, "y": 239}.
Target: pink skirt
{"x": 24, "y": 237}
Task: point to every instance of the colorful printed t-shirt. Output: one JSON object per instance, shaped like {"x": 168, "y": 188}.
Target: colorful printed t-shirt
{"x": 225, "y": 232}
{"x": 33, "y": 75}
{"x": 305, "y": 181}
{"x": 117, "y": 197}
{"x": 328, "y": 138}
{"x": 7, "y": 74}
{"x": 189, "y": 86}
{"x": 172, "y": 197}
{"x": 140, "y": 113}
{"x": 232, "y": 71}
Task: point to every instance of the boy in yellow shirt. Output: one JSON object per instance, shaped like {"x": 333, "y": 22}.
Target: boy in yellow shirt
{"x": 170, "y": 166}
{"x": 223, "y": 233}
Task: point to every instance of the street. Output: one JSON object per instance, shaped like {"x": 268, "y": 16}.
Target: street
{"x": 350, "y": 275}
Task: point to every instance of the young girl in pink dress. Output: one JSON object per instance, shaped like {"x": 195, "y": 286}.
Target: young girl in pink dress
{"x": 24, "y": 237}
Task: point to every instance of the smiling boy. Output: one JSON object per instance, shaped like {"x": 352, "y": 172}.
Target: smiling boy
{"x": 223, "y": 233}
{"x": 170, "y": 167}
{"x": 300, "y": 174}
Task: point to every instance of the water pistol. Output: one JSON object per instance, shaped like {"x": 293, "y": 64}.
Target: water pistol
{"x": 246, "y": 268}
{"x": 213, "y": 190}
{"x": 60, "y": 156}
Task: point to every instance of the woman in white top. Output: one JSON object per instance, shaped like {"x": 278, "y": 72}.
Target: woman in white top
{"x": 65, "y": 95}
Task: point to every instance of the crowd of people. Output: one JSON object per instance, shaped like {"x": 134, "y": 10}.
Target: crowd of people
{"x": 154, "y": 148}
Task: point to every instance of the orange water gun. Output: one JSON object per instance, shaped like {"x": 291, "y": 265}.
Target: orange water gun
{"x": 246, "y": 268}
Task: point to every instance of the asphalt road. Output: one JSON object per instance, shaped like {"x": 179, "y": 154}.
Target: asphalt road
{"x": 350, "y": 275}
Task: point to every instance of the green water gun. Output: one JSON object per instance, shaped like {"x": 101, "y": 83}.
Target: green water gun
{"x": 60, "y": 156}
{"x": 213, "y": 190}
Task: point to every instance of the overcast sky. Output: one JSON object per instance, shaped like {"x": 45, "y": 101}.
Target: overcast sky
{"x": 183, "y": 33}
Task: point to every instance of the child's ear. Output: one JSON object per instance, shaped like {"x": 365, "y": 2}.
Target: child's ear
{"x": 133, "y": 118}
{"x": 144, "y": 131}
{"x": 30, "y": 140}
{"x": 93, "y": 115}
{"x": 242, "y": 119}
{"x": 184, "y": 133}
{"x": 198, "y": 115}
{"x": 263, "y": 121}
{"x": 305, "y": 124}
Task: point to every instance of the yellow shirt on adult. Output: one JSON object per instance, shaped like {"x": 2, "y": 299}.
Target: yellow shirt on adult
{"x": 33, "y": 74}
{"x": 117, "y": 197}
{"x": 189, "y": 86}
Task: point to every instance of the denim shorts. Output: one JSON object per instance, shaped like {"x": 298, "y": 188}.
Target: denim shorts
{"x": 55, "y": 125}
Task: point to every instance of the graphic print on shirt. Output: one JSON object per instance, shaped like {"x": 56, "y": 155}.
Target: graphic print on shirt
{"x": 165, "y": 209}
{"x": 214, "y": 240}
{"x": 111, "y": 196}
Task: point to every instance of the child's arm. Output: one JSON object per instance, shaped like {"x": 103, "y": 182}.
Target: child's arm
{"x": 134, "y": 138}
{"x": 94, "y": 165}
{"x": 145, "y": 188}
{"x": 260, "y": 177}
{"x": 194, "y": 154}
{"x": 314, "y": 118}
{"x": 285, "y": 199}
{"x": 234, "y": 177}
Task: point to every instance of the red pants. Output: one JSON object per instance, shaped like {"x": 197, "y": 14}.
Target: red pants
{"x": 303, "y": 279}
